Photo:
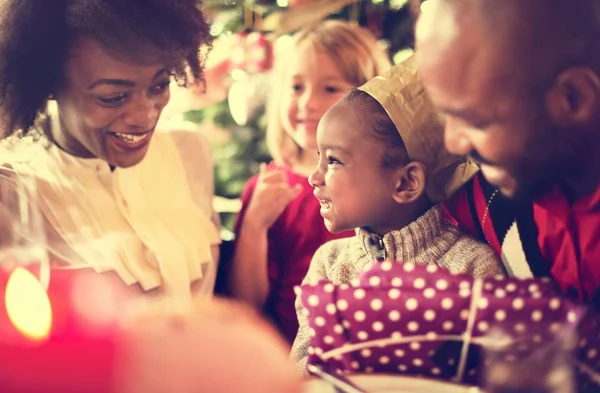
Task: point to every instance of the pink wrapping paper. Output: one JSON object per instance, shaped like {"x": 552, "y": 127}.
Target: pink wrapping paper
{"x": 422, "y": 320}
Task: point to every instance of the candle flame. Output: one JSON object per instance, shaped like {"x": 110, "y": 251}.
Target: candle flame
{"x": 27, "y": 305}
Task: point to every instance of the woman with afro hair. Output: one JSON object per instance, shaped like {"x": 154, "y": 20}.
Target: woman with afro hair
{"x": 82, "y": 86}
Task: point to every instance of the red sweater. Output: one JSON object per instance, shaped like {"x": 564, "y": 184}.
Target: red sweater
{"x": 564, "y": 237}
{"x": 292, "y": 241}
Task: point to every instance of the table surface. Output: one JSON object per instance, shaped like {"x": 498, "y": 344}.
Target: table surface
{"x": 376, "y": 383}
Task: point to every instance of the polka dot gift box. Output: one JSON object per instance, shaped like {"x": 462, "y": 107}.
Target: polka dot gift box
{"x": 421, "y": 320}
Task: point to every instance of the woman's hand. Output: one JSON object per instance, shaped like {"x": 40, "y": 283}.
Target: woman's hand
{"x": 271, "y": 195}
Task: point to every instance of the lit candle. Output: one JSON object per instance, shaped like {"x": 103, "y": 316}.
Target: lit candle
{"x": 60, "y": 341}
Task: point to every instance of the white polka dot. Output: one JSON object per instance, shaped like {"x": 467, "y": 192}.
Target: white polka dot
{"x": 355, "y": 365}
{"x": 429, "y": 293}
{"x": 362, "y": 335}
{"x": 436, "y": 371}
{"x": 419, "y": 283}
{"x": 311, "y": 332}
{"x": 554, "y": 304}
{"x": 394, "y": 316}
{"x": 464, "y": 285}
{"x": 500, "y": 293}
{"x": 409, "y": 267}
{"x": 418, "y": 362}
{"x": 369, "y": 370}
{"x": 374, "y": 281}
{"x": 415, "y": 346}
{"x": 329, "y": 288}
{"x": 311, "y": 350}
{"x": 399, "y": 353}
{"x": 376, "y": 304}
{"x": 518, "y": 303}
{"x": 342, "y": 305}
{"x": 483, "y": 326}
{"x": 396, "y": 335}
{"x": 344, "y": 286}
{"x": 447, "y": 303}
{"x": 412, "y": 304}
{"x": 483, "y": 303}
{"x": 346, "y": 323}
{"x": 413, "y": 326}
{"x": 488, "y": 286}
{"x": 536, "y": 295}
{"x": 396, "y": 282}
{"x": 537, "y": 316}
{"x": 511, "y": 287}
{"x": 442, "y": 285}
{"x": 359, "y": 293}
{"x": 534, "y": 288}
{"x": 537, "y": 338}
{"x": 378, "y": 326}
{"x": 500, "y": 315}
{"x": 592, "y": 353}
{"x": 331, "y": 309}
{"x": 448, "y": 325}
{"x": 394, "y": 293}
{"x": 313, "y": 300}
{"x": 431, "y": 336}
{"x": 431, "y": 268}
{"x": 571, "y": 316}
{"x": 464, "y": 292}
{"x": 297, "y": 291}
{"x": 318, "y": 351}
{"x": 402, "y": 367}
{"x": 328, "y": 340}
{"x": 429, "y": 315}
{"x": 360, "y": 316}
{"x": 384, "y": 360}
{"x": 464, "y": 314}
{"x": 355, "y": 282}
{"x": 365, "y": 353}
{"x": 520, "y": 328}
{"x": 386, "y": 266}
{"x": 320, "y": 321}
{"x": 338, "y": 329}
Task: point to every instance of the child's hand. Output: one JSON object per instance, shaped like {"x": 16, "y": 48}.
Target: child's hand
{"x": 271, "y": 195}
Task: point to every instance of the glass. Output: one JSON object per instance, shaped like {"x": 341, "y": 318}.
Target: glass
{"x": 24, "y": 262}
{"x": 512, "y": 368}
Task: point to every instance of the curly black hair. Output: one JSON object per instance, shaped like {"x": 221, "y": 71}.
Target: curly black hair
{"x": 383, "y": 130}
{"x": 36, "y": 37}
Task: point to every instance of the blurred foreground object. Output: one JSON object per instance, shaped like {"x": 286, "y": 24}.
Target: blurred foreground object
{"x": 101, "y": 340}
{"x": 219, "y": 346}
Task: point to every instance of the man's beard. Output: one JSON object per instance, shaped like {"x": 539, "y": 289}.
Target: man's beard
{"x": 532, "y": 185}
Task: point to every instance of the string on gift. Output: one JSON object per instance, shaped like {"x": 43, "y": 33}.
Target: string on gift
{"x": 476, "y": 292}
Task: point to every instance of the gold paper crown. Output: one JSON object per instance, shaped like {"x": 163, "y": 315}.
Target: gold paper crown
{"x": 403, "y": 97}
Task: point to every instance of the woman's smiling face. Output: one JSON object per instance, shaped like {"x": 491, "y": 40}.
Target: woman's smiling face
{"x": 109, "y": 108}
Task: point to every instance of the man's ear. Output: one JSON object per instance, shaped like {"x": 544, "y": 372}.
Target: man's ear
{"x": 574, "y": 100}
{"x": 411, "y": 183}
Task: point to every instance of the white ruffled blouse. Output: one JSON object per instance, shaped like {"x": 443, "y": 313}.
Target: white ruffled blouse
{"x": 152, "y": 224}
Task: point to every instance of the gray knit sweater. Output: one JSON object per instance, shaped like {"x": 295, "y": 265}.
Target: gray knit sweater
{"x": 428, "y": 240}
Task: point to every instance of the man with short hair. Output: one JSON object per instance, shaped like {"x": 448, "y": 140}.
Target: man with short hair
{"x": 519, "y": 84}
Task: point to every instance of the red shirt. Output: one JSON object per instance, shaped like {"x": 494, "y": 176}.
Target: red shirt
{"x": 568, "y": 235}
{"x": 569, "y": 239}
{"x": 292, "y": 241}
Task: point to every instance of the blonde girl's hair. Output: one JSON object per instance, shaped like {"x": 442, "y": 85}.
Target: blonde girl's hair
{"x": 359, "y": 58}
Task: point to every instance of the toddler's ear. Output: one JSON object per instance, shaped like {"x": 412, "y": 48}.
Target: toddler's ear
{"x": 411, "y": 184}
